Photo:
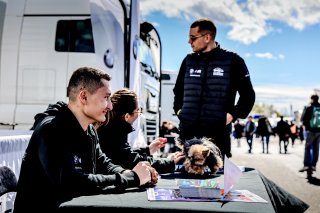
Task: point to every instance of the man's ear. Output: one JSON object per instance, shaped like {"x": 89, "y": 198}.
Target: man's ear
{"x": 83, "y": 96}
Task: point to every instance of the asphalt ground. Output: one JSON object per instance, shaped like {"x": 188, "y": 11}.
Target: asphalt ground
{"x": 283, "y": 169}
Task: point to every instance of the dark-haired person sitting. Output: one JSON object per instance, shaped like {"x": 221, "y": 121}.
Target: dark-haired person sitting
{"x": 113, "y": 136}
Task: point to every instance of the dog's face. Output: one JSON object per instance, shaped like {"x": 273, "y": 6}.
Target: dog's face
{"x": 196, "y": 160}
{"x": 200, "y": 154}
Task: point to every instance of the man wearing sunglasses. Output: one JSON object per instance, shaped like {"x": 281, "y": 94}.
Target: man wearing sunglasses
{"x": 206, "y": 88}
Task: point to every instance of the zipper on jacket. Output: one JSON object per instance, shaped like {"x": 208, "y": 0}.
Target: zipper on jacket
{"x": 92, "y": 135}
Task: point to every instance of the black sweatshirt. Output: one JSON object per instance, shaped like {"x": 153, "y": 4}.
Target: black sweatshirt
{"x": 63, "y": 161}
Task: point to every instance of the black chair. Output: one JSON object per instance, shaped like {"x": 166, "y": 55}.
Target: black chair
{"x": 8, "y": 183}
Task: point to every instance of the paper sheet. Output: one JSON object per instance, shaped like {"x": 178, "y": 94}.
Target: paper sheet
{"x": 232, "y": 174}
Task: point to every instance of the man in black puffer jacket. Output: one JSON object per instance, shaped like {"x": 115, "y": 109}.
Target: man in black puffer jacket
{"x": 206, "y": 88}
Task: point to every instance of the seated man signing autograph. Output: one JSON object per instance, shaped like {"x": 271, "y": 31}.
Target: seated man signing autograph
{"x": 64, "y": 160}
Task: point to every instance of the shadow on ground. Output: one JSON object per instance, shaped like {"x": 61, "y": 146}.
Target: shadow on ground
{"x": 314, "y": 181}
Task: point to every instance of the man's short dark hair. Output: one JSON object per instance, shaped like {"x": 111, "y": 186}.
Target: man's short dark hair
{"x": 314, "y": 98}
{"x": 88, "y": 78}
{"x": 205, "y": 25}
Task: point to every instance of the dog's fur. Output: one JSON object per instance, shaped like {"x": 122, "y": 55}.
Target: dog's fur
{"x": 200, "y": 154}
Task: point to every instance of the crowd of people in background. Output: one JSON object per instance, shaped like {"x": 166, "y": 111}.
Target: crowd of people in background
{"x": 285, "y": 130}
{"x": 261, "y": 128}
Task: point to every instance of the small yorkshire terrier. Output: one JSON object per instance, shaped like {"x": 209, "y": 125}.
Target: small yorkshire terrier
{"x": 200, "y": 154}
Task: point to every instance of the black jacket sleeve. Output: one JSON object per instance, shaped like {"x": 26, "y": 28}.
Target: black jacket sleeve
{"x": 178, "y": 89}
{"x": 114, "y": 142}
{"x": 244, "y": 87}
{"x": 128, "y": 158}
{"x": 163, "y": 165}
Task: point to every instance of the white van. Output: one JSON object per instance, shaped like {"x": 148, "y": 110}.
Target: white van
{"x": 43, "y": 41}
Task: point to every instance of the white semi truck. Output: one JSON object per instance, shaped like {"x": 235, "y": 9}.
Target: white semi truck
{"x": 43, "y": 41}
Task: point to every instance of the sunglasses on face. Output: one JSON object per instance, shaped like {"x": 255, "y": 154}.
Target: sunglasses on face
{"x": 193, "y": 38}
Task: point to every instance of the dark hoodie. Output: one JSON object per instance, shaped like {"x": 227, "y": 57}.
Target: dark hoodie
{"x": 52, "y": 110}
{"x": 62, "y": 161}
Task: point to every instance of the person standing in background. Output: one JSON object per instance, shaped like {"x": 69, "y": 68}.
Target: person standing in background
{"x": 171, "y": 132}
{"x": 264, "y": 131}
{"x": 294, "y": 132}
{"x": 283, "y": 131}
{"x": 301, "y": 133}
{"x": 250, "y": 129}
{"x": 206, "y": 88}
{"x": 311, "y": 120}
{"x": 168, "y": 128}
{"x": 238, "y": 132}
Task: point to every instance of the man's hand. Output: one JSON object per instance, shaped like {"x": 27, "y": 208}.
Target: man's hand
{"x": 146, "y": 173}
{"x": 154, "y": 175}
{"x": 229, "y": 118}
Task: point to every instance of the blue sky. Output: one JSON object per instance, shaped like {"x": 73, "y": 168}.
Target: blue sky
{"x": 278, "y": 39}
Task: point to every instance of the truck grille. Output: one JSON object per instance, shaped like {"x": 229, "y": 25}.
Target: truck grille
{"x": 151, "y": 129}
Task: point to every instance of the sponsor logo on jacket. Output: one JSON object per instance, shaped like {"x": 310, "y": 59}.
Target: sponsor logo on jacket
{"x": 194, "y": 73}
{"x": 218, "y": 71}
{"x": 77, "y": 162}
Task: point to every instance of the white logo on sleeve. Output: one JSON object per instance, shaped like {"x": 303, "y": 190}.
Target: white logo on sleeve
{"x": 218, "y": 71}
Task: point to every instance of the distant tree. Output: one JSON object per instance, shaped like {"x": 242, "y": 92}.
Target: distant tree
{"x": 264, "y": 109}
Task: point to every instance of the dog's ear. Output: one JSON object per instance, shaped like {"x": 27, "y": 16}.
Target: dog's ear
{"x": 211, "y": 159}
{"x": 214, "y": 162}
{"x": 205, "y": 152}
{"x": 179, "y": 143}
